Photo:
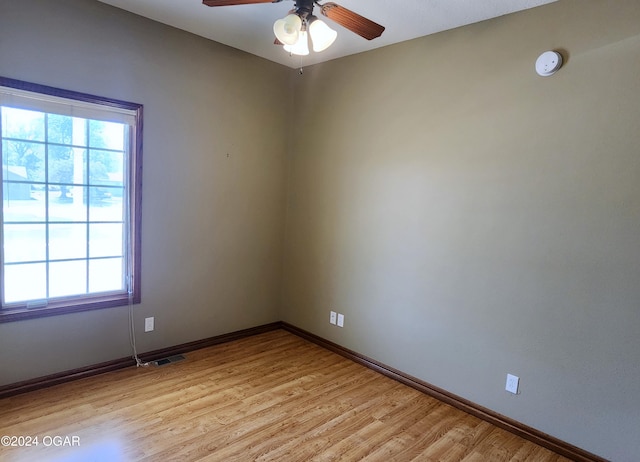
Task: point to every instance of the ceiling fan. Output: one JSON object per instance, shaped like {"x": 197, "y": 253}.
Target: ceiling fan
{"x": 292, "y": 30}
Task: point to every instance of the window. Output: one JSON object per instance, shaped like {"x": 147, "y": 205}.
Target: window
{"x": 71, "y": 185}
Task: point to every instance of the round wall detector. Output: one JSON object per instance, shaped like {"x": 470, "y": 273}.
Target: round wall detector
{"x": 548, "y": 63}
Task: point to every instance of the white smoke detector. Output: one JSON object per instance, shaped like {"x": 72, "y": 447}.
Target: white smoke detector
{"x": 548, "y": 63}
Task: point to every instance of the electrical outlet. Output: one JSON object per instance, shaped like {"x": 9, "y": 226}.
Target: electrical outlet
{"x": 340, "y": 320}
{"x": 332, "y": 317}
{"x": 148, "y": 324}
{"x": 512, "y": 384}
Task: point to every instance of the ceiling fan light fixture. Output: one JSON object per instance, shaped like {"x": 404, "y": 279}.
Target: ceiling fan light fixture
{"x": 287, "y": 30}
{"x": 301, "y": 47}
{"x": 322, "y": 36}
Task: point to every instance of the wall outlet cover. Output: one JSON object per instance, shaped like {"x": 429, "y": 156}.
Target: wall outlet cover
{"x": 340, "y": 320}
{"x": 332, "y": 317}
{"x": 512, "y": 384}
{"x": 149, "y": 324}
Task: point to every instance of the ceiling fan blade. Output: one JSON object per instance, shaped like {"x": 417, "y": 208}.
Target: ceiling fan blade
{"x": 235, "y": 2}
{"x": 353, "y": 21}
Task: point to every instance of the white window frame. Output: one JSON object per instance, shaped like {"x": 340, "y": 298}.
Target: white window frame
{"x": 25, "y": 95}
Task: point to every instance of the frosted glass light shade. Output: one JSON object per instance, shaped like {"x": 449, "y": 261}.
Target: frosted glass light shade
{"x": 301, "y": 47}
{"x": 287, "y": 30}
{"x": 322, "y": 36}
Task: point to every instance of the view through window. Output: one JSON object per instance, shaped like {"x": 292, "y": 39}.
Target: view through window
{"x": 70, "y": 170}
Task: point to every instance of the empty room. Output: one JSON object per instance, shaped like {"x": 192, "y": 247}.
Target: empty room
{"x": 416, "y": 238}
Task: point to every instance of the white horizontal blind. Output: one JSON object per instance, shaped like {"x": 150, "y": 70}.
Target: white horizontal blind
{"x": 21, "y": 99}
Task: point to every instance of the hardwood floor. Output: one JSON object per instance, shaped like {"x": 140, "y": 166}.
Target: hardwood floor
{"x": 270, "y": 397}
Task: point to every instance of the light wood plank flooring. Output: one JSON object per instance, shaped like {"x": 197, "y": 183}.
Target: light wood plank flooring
{"x": 270, "y": 397}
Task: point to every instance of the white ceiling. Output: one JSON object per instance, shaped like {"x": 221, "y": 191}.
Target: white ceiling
{"x": 250, "y": 27}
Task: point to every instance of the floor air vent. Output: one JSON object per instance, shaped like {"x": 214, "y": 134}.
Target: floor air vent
{"x": 169, "y": 360}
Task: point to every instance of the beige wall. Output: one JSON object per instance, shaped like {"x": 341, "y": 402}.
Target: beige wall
{"x": 472, "y": 219}
{"x": 213, "y": 181}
